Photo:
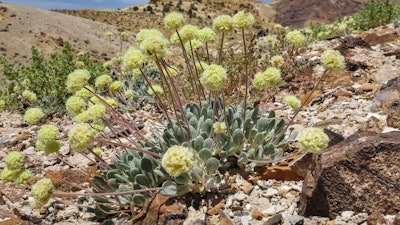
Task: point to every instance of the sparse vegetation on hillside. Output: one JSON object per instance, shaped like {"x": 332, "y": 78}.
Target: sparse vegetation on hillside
{"x": 374, "y": 13}
{"x": 42, "y": 83}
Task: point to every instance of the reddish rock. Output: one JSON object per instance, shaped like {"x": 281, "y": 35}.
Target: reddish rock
{"x": 382, "y": 36}
{"x": 280, "y": 173}
{"x": 360, "y": 174}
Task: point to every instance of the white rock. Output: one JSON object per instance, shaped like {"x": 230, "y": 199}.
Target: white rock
{"x": 271, "y": 192}
{"x": 347, "y": 214}
{"x": 270, "y": 211}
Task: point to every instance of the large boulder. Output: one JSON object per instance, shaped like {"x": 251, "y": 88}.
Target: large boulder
{"x": 361, "y": 174}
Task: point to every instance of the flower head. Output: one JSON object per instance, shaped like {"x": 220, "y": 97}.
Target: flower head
{"x": 81, "y": 136}
{"x": 77, "y": 80}
{"x": 97, "y": 111}
{"x": 154, "y": 45}
{"x": 79, "y": 64}
{"x": 84, "y": 93}
{"x": 259, "y": 81}
{"x": 273, "y": 76}
{"x": 314, "y": 139}
{"x": 144, "y": 33}
{"x": 14, "y": 160}
{"x": 129, "y": 94}
{"x": 296, "y": 38}
{"x": 109, "y": 33}
{"x": 103, "y": 81}
{"x": 116, "y": 86}
{"x": 292, "y": 101}
{"x": 188, "y": 32}
{"x": 52, "y": 146}
{"x": 41, "y": 191}
{"x": 157, "y": 89}
{"x": 214, "y": 77}
{"x": 29, "y": 95}
{"x": 277, "y": 61}
{"x": 223, "y": 23}
{"x": 47, "y": 133}
{"x": 82, "y": 117}
{"x": 174, "y": 20}
{"x": 23, "y": 176}
{"x": 133, "y": 59}
{"x": 75, "y": 105}
{"x": 206, "y": 35}
{"x": 9, "y": 174}
{"x": 332, "y": 60}
{"x": 124, "y": 34}
{"x": 177, "y": 160}
{"x": 33, "y": 116}
{"x": 219, "y": 127}
{"x": 243, "y": 19}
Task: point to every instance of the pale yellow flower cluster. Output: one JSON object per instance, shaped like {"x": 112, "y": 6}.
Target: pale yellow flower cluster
{"x": 296, "y": 38}
{"x": 292, "y": 101}
{"x": 174, "y": 20}
{"x": 223, "y": 23}
{"x": 332, "y": 60}
{"x": 214, "y": 77}
{"x": 243, "y": 19}
{"x": 314, "y": 139}
{"x": 270, "y": 77}
{"x": 177, "y": 160}
{"x": 77, "y": 80}
{"x": 81, "y": 136}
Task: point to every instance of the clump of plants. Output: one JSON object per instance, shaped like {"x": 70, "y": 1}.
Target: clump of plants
{"x": 41, "y": 84}
{"x": 14, "y": 170}
{"x": 209, "y": 120}
{"x": 373, "y": 14}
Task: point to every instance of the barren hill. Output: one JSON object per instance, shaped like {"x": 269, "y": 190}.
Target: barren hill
{"x": 22, "y": 27}
{"x": 302, "y": 13}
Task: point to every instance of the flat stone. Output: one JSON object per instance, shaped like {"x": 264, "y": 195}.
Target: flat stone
{"x": 341, "y": 177}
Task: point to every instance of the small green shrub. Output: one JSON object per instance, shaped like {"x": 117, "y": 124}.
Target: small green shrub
{"x": 43, "y": 78}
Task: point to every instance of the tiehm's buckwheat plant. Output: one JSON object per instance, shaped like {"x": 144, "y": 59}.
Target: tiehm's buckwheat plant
{"x": 206, "y": 127}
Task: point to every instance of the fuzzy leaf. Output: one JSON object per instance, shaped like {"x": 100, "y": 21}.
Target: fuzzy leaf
{"x": 269, "y": 149}
{"x": 238, "y": 137}
{"x": 258, "y": 139}
{"x": 170, "y": 188}
{"x": 193, "y": 122}
{"x": 146, "y": 165}
{"x": 184, "y": 178}
{"x": 139, "y": 199}
{"x": 205, "y": 154}
{"x": 279, "y": 127}
{"x": 197, "y": 143}
{"x": 262, "y": 124}
{"x": 212, "y": 165}
{"x": 208, "y": 143}
{"x": 271, "y": 114}
{"x": 143, "y": 180}
{"x": 243, "y": 158}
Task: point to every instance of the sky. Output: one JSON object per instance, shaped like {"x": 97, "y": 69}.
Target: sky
{"x": 81, "y": 4}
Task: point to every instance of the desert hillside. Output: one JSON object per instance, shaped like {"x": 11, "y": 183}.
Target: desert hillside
{"x": 301, "y": 13}
{"x": 22, "y": 27}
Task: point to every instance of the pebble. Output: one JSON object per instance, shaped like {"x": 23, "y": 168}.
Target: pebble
{"x": 271, "y": 192}
{"x": 240, "y": 196}
{"x": 347, "y": 214}
{"x": 296, "y": 220}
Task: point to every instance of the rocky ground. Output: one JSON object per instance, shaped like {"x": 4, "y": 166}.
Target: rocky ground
{"x": 363, "y": 97}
